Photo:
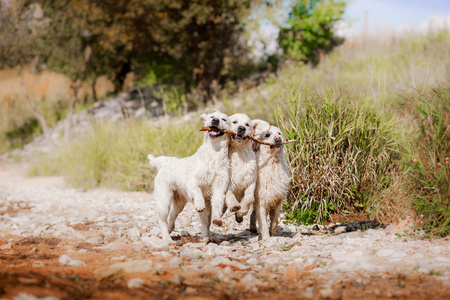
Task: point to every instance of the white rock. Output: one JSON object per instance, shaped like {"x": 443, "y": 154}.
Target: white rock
{"x": 65, "y": 260}
{"x": 154, "y": 242}
{"x": 136, "y": 283}
{"x": 250, "y": 282}
{"x": 175, "y": 262}
{"x": 133, "y": 233}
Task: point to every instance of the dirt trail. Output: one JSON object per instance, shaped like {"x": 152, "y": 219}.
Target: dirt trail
{"x": 65, "y": 243}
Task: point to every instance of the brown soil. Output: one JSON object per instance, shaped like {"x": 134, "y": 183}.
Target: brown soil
{"x": 32, "y": 266}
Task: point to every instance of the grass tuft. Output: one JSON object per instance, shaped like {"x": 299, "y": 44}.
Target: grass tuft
{"x": 429, "y": 160}
{"x": 348, "y": 150}
{"x": 115, "y": 154}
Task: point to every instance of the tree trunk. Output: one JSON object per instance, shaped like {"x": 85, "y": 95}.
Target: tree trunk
{"x": 73, "y": 99}
{"x": 68, "y": 121}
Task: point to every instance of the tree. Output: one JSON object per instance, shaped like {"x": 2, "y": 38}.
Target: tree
{"x": 310, "y": 29}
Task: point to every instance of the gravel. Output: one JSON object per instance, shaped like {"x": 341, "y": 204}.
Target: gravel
{"x": 108, "y": 219}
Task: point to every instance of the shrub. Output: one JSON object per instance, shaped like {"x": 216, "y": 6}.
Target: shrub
{"x": 347, "y": 153}
{"x": 429, "y": 162}
{"x": 310, "y": 29}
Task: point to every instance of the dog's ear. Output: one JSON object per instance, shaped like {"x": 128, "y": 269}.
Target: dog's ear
{"x": 203, "y": 116}
{"x": 260, "y": 126}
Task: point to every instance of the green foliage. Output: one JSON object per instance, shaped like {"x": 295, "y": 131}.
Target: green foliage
{"x": 115, "y": 154}
{"x": 429, "y": 163}
{"x": 309, "y": 30}
{"x": 347, "y": 148}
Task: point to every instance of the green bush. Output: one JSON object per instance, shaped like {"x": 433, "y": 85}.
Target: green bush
{"x": 347, "y": 153}
{"x": 115, "y": 154}
{"x": 429, "y": 163}
{"x": 310, "y": 30}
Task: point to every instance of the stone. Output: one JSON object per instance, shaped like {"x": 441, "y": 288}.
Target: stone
{"x": 7, "y": 246}
{"x": 340, "y": 229}
{"x": 311, "y": 267}
{"x": 291, "y": 272}
{"x": 184, "y": 233}
{"x": 135, "y": 283}
{"x": 133, "y": 233}
{"x": 175, "y": 262}
{"x": 249, "y": 282}
{"x": 331, "y": 293}
{"x": 134, "y": 266}
{"x": 155, "y": 242}
{"x": 65, "y": 260}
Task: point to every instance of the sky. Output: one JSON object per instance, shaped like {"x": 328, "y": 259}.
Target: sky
{"x": 397, "y": 14}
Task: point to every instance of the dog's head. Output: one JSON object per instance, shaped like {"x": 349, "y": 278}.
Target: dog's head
{"x": 216, "y": 121}
{"x": 275, "y": 137}
{"x": 243, "y": 127}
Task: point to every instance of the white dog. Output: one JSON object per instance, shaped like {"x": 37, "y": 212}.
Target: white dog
{"x": 241, "y": 191}
{"x": 204, "y": 175}
{"x": 272, "y": 184}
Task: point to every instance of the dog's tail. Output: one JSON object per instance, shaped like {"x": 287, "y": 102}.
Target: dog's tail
{"x": 154, "y": 162}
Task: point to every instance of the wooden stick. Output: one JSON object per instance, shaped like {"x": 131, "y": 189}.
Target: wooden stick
{"x": 249, "y": 137}
{"x": 220, "y": 130}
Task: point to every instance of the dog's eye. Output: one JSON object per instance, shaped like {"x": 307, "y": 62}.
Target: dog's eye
{"x": 234, "y": 122}
{"x": 224, "y": 120}
{"x": 267, "y": 135}
{"x": 246, "y": 124}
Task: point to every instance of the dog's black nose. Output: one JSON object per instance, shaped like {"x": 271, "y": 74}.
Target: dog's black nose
{"x": 215, "y": 122}
{"x": 241, "y": 129}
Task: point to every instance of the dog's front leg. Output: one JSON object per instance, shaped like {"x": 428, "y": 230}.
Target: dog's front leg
{"x": 197, "y": 195}
{"x": 261, "y": 215}
{"x": 247, "y": 201}
{"x": 205, "y": 221}
{"x": 232, "y": 203}
{"x": 219, "y": 189}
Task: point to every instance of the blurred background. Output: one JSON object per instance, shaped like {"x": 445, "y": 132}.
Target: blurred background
{"x": 97, "y": 85}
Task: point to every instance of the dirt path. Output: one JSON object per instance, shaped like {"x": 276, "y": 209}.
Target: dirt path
{"x": 65, "y": 243}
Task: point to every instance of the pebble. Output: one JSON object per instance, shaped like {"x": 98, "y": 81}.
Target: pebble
{"x": 65, "y": 260}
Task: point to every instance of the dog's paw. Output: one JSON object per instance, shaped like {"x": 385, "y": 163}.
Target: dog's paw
{"x": 200, "y": 208}
{"x": 218, "y": 223}
{"x": 253, "y": 230}
{"x": 235, "y": 208}
{"x": 238, "y": 219}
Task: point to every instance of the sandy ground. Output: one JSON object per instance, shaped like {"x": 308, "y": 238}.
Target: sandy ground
{"x": 62, "y": 243}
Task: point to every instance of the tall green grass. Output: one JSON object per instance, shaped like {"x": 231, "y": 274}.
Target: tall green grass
{"x": 115, "y": 154}
{"x": 429, "y": 160}
{"x": 347, "y": 152}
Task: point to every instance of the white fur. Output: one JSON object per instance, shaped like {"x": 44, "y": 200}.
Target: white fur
{"x": 272, "y": 184}
{"x": 202, "y": 176}
{"x": 241, "y": 191}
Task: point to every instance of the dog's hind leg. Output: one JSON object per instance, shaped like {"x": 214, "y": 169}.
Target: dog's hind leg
{"x": 163, "y": 197}
{"x": 177, "y": 206}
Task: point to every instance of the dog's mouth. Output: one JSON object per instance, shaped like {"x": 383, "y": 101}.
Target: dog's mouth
{"x": 276, "y": 145}
{"x": 215, "y": 132}
{"x": 239, "y": 138}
